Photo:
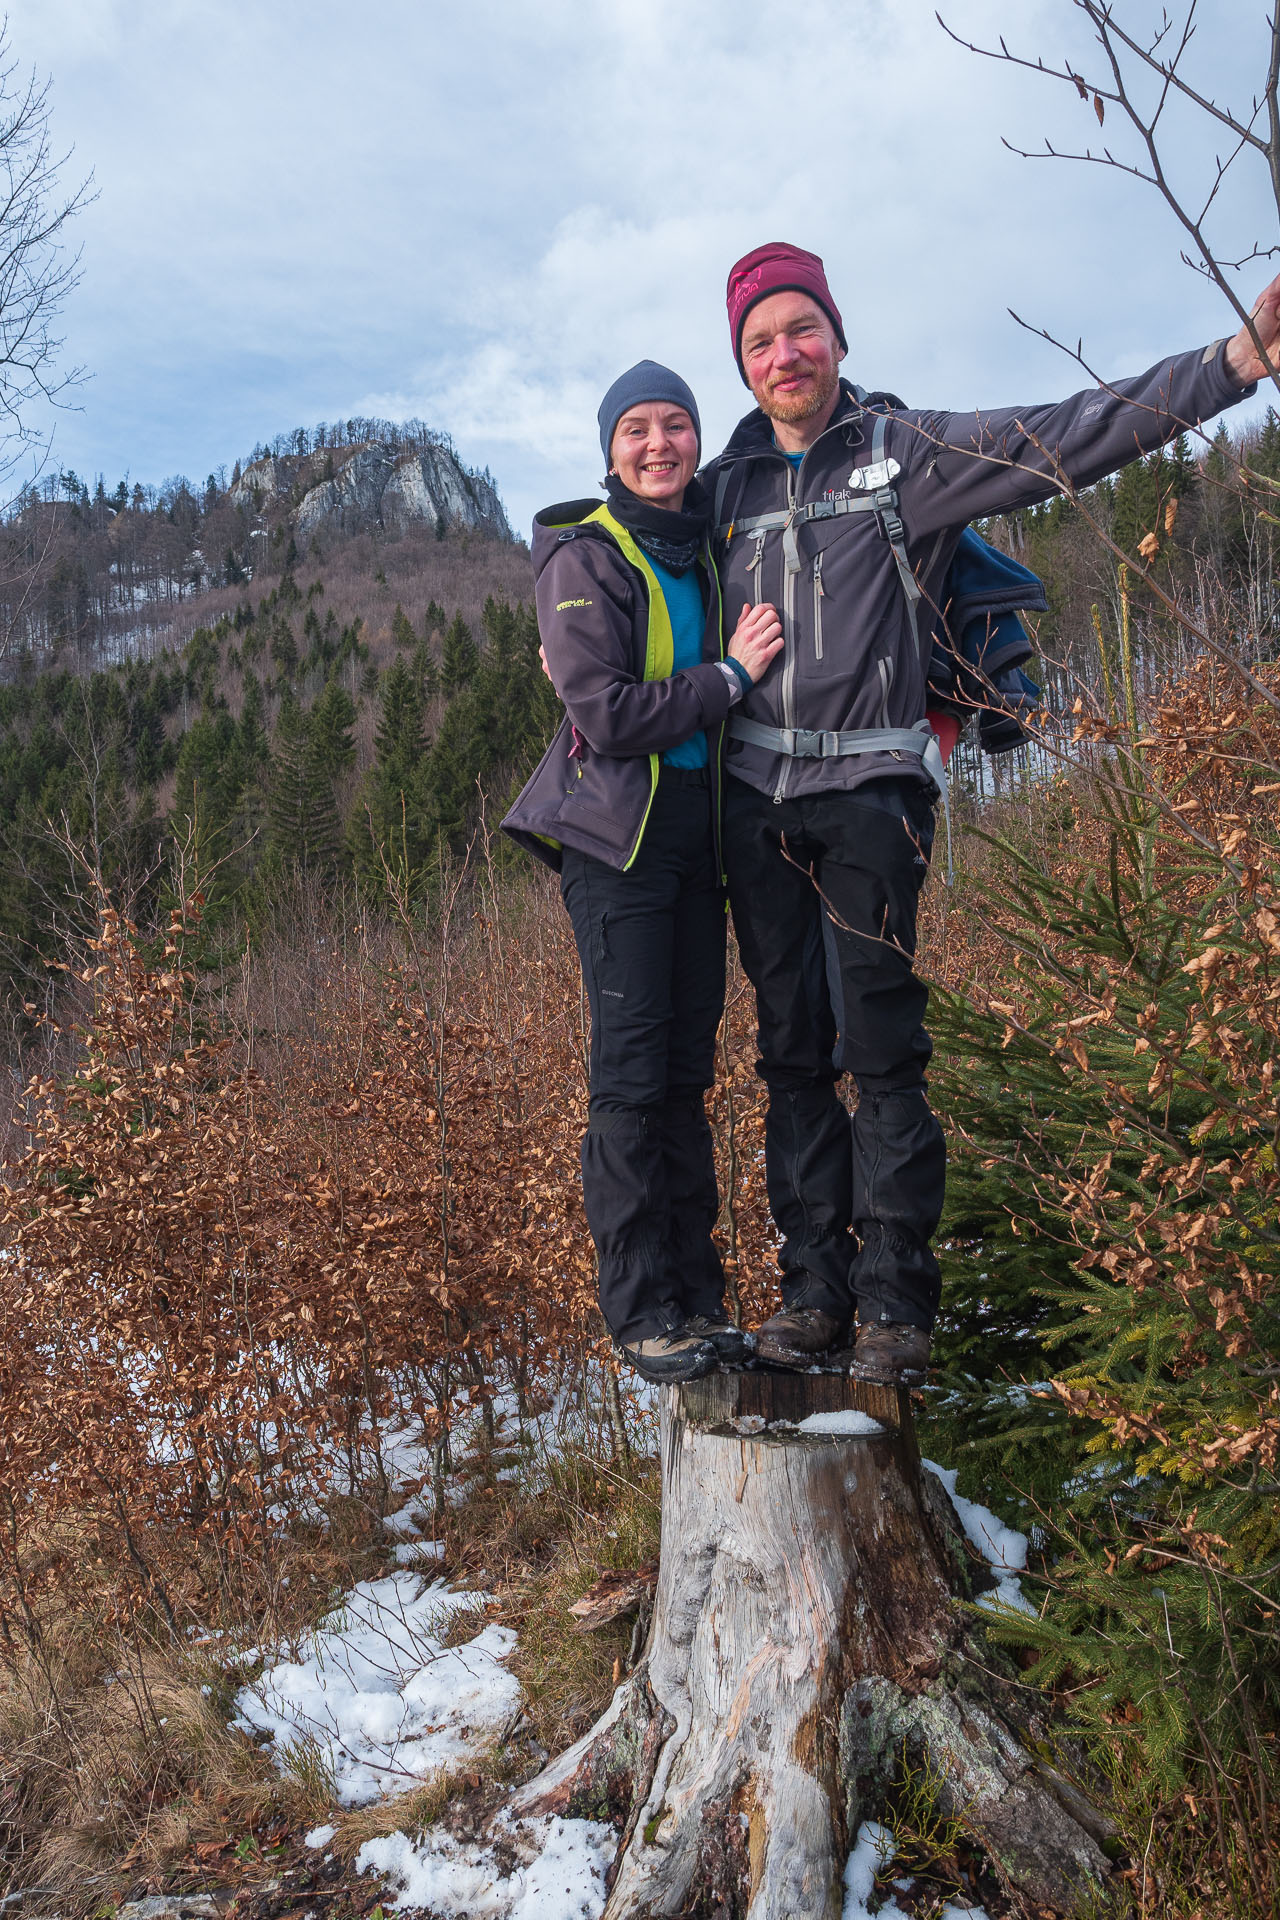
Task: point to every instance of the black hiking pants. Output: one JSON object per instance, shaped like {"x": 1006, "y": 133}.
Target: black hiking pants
{"x": 652, "y": 943}
{"x": 827, "y": 932}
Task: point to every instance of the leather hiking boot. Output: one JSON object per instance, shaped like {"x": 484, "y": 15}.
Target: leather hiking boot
{"x": 731, "y": 1344}
{"x": 666, "y": 1357}
{"x": 798, "y": 1336}
{"x": 892, "y": 1353}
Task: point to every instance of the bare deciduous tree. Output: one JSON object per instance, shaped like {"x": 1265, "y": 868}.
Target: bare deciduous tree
{"x": 37, "y": 272}
{"x": 1141, "y": 78}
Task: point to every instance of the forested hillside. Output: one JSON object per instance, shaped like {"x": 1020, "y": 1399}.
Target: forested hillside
{"x": 1190, "y": 513}
{"x": 332, "y": 693}
{"x": 321, "y": 703}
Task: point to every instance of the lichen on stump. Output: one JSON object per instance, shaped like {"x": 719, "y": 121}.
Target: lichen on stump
{"x": 809, "y": 1636}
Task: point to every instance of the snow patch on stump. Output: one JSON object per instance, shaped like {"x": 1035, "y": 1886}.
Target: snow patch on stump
{"x": 1003, "y": 1548}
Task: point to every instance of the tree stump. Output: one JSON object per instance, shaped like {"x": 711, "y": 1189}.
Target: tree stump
{"x": 808, "y": 1641}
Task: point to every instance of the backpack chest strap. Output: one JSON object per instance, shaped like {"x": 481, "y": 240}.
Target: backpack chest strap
{"x": 798, "y": 516}
{"x": 883, "y": 502}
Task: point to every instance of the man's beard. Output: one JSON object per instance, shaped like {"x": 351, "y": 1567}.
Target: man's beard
{"x": 790, "y": 408}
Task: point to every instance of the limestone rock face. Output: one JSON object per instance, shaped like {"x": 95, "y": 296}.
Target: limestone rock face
{"x": 375, "y": 485}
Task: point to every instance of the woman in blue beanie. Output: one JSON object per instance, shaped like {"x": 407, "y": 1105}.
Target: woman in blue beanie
{"x": 626, "y": 805}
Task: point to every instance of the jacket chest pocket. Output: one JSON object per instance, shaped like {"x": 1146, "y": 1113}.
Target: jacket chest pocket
{"x": 755, "y": 569}
{"x": 819, "y": 595}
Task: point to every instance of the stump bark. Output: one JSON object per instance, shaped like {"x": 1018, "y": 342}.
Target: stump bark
{"x": 809, "y": 1640}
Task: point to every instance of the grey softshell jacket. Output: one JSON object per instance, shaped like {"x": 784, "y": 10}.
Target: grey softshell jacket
{"x": 592, "y": 788}
{"x": 850, "y": 660}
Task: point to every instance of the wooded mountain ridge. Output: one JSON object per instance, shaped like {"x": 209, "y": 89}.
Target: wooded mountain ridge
{"x": 98, "y": 575}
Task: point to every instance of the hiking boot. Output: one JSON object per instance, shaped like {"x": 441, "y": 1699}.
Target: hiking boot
{"x": 665, "y": 1357}
{"x": 892, "y": 1353}
{"x": 798, "y": 1336}
{"x": 731, "y": 1344}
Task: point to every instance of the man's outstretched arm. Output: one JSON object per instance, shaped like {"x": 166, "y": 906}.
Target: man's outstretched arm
{"x": 966, "y": 465}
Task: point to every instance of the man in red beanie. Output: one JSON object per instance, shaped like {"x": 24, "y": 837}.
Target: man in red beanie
{"x": 846, "y": 515}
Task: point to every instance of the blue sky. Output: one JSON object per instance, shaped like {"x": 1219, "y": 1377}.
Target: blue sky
{"x": 481, "y": 213}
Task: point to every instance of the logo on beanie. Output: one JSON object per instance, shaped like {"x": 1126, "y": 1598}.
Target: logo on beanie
{"x": 744, "y": 289}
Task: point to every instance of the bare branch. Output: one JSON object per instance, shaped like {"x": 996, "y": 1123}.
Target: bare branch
{"x": 36, "y": 272}
{"x": 1112, "y": 39}
{"x": 1102, "y": 19}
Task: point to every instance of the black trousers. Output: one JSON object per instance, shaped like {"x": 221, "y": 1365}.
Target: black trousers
{"x": 652, "y": 946}
{"x": 824, "y": 892}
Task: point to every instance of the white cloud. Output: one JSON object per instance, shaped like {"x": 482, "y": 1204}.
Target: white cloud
{"x": 482, "y": 214}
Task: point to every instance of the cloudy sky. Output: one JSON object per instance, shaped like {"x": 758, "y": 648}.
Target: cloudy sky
{"x": 481, "y": 212}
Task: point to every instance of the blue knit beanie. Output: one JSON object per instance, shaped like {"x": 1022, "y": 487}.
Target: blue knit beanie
{"x": 645, "y": 381}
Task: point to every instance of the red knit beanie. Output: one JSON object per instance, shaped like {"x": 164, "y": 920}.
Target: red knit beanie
{"x": 777, "y": 268}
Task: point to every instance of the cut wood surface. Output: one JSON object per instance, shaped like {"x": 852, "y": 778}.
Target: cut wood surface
{"x": 614, "y": 1596}
{"x": 809, "y": 1640}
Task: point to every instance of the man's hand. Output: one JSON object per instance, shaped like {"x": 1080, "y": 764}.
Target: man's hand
{"x": 757, "y": 639}
{"x": 1242, "y": 355}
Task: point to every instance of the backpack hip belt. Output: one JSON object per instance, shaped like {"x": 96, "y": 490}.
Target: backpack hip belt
{"x": 806, "y": 743}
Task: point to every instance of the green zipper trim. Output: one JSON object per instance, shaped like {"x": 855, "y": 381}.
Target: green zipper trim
{"x": 717, "y": 774}
{"x": 659, "y": 646}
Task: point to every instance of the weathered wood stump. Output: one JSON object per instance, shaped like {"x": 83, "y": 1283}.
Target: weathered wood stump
{"x": 808, "y": 1641}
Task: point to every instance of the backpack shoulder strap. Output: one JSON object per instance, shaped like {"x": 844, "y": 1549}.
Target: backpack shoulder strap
{"x": 886, "y": 505}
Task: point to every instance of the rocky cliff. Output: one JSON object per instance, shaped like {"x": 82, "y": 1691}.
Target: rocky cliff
{"x": 375, "y": 484}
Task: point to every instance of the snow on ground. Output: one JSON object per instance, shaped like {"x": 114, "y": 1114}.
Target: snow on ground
{"x": 318, "y": 1837}
{"x": 558, "y": 1872}
{"x": 374, "y": 1694}
{"x": 412, "y": 1553}
{"x": 382, "y": 1702}
{"x": 407, "y": 1524}
{"x": 1001, "y": 1547}
{"x": 873, "y": 1849}
{"x": 846, "y": 1424}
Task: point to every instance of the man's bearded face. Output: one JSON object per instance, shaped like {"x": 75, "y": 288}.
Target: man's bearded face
{"x": 791, "y": 356}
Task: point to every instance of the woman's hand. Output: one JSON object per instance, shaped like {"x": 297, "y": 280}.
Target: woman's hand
{"x": 757, "y": 639}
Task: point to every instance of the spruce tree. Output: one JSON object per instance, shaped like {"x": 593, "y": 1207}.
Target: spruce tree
{"x": 460, "y": 658}
{"x": 302, "y": 816}
{"x": 1265, "y": 457}
{"x": 1109, "y": 1080}
{"x": 331, "y": 720}
{"x": 399, "y": 742}
{"x": 389, "y": 824}
{"x": 284, "y": 648}
{"x": 425, "y": 671}
{"x": 461, "y": 755}
{"x": 402, "y": 634}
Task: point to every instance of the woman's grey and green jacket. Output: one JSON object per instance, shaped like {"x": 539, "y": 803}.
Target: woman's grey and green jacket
{"x": 607, "y": 638}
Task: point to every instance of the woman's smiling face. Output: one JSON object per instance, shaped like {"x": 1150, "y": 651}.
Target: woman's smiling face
{"x": 655, "y": 452}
